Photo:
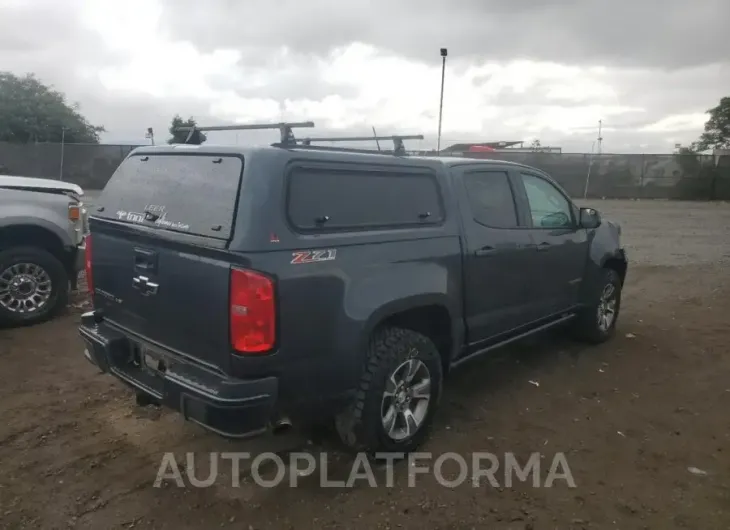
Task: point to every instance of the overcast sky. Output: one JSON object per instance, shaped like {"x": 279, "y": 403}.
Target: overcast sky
{"x": 517, "y": 69}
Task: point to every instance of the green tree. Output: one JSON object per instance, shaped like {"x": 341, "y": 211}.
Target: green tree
{"x": 33, "y": 112}
{"x": 717, "y": 128}
{"x": 179, "y": 137}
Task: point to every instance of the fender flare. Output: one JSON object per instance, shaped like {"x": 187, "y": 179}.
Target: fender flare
{"x": 416, "y": 301}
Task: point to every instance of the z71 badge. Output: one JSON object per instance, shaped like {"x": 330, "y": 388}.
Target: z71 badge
{"x": 313, "y": 256}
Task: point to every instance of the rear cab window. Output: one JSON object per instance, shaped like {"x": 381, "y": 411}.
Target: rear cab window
{"x": 490, "y": 198}
{"x": 189, "y": 193}
{"x": 326, "y": 199}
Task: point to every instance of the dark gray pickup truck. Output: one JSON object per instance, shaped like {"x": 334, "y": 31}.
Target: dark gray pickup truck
{"x": 249, "y": 288}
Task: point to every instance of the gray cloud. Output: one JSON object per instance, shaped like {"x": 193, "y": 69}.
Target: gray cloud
{"x": 305, "y": 83}
{"x": 46, "y": 37}
{"x": 651, "y": 33}
{"x": 688, "y": 90}
{"x": 662, "y": 46}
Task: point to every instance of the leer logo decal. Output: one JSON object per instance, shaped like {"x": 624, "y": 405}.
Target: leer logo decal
{"x": 313, "y": 256}
{"x": 140, "y": 218}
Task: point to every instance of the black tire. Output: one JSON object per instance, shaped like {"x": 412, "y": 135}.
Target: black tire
{"x": 59, "y": 284}
{"x": 360, "y": 425}
{"x": 587, "y": 327}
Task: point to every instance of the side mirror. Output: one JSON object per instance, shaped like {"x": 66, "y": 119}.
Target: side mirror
{"x": 589, "y": 218}
{"x": 555, "y": 220}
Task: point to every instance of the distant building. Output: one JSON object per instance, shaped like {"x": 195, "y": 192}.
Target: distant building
{"x": 486, "y": 147}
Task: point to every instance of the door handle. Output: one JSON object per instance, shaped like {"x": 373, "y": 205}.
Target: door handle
{"x": 485, "y": 251}
{"x": 543, "y": 246}
{"x": 145, "y": 260}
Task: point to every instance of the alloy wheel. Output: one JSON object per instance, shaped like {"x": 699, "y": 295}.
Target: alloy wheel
{"x": 25, "y": 288}
{"x": 406, "y": 399}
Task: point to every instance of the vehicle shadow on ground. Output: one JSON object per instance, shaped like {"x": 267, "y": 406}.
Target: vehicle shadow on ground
{"x": 468, "y": 391}
{"x": 473, "y": 392}
{"x": 516, "y": 365}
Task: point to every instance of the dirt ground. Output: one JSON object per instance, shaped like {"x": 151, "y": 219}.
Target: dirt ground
{"x": 632, "y": 416}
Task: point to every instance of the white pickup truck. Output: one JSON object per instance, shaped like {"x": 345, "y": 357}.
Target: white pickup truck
{"x": 43, "y": 226}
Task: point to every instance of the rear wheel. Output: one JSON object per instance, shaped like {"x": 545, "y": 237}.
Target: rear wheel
{"x": 597, "y": 322}
{"x": 397, "y": 396}
{"x": 33, "y": 285}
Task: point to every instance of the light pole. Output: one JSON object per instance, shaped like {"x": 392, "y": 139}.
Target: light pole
{"x": 444, "y": 53}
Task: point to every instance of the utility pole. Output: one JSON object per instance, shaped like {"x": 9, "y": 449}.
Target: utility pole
{"x": 600, "y": 138}
{"x": 444, "y": 53}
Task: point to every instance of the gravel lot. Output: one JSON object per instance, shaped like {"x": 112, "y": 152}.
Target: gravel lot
{"x": 642, "y": 421}
{"x": 671, "y": 232}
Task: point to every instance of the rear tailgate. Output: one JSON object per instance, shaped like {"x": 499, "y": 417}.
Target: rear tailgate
{"x": 159, "y": 264}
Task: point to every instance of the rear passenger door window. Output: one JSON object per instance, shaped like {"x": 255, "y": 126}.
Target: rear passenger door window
{"x": 491, "y": 199}
{"x": 549, "y": 208}
{"x": 325, "y": 199}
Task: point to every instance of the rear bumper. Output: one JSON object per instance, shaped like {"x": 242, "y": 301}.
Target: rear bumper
{"x": 233, "y": 408}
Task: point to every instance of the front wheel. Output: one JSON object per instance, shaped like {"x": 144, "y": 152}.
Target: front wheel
{"x": 33, "y": 285}
{"x": 597, "y": 321}
{"x": 397, "y": 396}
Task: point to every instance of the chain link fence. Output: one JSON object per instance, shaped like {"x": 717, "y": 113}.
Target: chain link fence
{"x": 646, "y": 176}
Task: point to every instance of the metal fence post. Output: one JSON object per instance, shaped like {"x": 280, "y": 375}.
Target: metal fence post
{"x": 588, "y": 176}
{"x": 713, "y": 182}
{"x": 63, "y": 146}
{"x": 641, "y": 173}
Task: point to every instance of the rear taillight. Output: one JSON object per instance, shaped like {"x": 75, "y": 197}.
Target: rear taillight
{"x": 87, "y": 266}
{"x": 252, "y": 312}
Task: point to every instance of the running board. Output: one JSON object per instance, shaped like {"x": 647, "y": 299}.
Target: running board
{"x": 544, "y": 327}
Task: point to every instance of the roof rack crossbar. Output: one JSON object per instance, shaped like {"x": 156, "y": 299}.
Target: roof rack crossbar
{"x": 397, "y": 140}
{"x": 339, "y": 149}
{"x": 285, "y": 129}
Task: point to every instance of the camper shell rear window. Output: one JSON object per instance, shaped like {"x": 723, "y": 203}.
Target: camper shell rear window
{"x": 190, "y": 193}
